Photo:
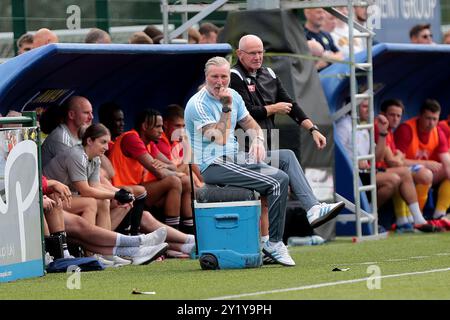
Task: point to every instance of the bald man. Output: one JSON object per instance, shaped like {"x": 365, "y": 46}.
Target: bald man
{"x": 264, "y": 97}
{"x": 78, "y": 113}
{"x": 44, "y": 36}
{"x": 263, "y": 92}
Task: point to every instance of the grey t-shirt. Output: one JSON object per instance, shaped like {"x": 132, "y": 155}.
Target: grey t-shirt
{"x": 58, "y": 141}
{"x": 73, "y": 165}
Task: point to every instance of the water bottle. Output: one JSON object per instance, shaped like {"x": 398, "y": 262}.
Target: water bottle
{"x": 317, "y": 240}
{"x": 305, "y": 241}
{"x": 300, "y": 241}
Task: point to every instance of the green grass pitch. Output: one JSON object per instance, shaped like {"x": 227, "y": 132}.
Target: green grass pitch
{"x": 414, "y": 266}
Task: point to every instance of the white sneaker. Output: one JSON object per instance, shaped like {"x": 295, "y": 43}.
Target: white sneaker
{"x": 147, "y": 254}
{"x": 156, "y": 237}
{"x": 118, "y": 261}
{"x": 106, "y": 263}
{"x": 48, "y": 259}
{"x": 324, "y": 212}
{"x": 278, "y": 252}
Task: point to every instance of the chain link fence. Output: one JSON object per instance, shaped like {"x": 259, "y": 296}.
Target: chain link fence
{"x": 123, "y": 17}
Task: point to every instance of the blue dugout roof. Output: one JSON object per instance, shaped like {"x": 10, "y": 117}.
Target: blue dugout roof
{"x": 408, "y": 72}
{"x": 134, "y": 76}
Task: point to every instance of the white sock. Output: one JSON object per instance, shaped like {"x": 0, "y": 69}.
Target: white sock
{"x": 190, "y": 238}
{"x": 67, "y": 254}
{"x": 264, "y": 238}
{"x": 438, "y": 214}
{"x": 187, "y": 247}
{"x": 417, "y": 214}
{"x": 410, "y": 218}
{"x": 402, "y": 220}
{"x": 127, "y": 241}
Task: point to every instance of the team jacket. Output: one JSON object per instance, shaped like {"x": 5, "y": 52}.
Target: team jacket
{"x": 263, "y": 89}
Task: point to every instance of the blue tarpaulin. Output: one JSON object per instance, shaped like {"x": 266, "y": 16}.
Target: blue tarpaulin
{"x": 134, "y": 76}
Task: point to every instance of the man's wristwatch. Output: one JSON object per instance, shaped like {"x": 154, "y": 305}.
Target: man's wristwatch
{"x": 226, "y": 109}
{"x": 314, "y": 127}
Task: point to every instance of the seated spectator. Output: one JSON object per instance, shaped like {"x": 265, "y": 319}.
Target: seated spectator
{"x": 314, "y": 22}
{"x": 133, "y": 160}
{"x": 96, "y": 35}
{"x": 140, "y": 37}
{"x": 340, "y": 36}
{"x": 211, "y": 117}
{"x": 422, "y": 140}
{"x": 24, "y": 43}
{"x": 140, "y": 249}
{"x": 387, "y": 183}
{"x": 415, "y": 178}
{"x": 79, "y": 168}
{"x": 445, "y": 127}
{"x": 208, "y": 33}
{"x": 446, "y": 38}
{"x": 329, "y": 22}
{"x": 111, "y": 115}
{"x": 44, "y": 36}
{"x": 154, "y": 33}
{"x": 361, "y": 15}
{"x": 55, "y": 194}
{"x": 73, "y": 114}
{"x": 193, "y": 36}
{"x": 174, "y": 144}
{"x": 421, "y": 34}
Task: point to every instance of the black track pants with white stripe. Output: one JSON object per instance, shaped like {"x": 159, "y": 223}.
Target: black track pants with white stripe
{"x": 266, "y": 180}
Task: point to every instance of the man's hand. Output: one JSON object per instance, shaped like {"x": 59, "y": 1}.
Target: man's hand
{"x": 48, "y": 204}
{"x": 158, "y": 164}
{"x": 315, "y": 48}
{"x": 383, "y": 123}
{"x": 279, "y": 107}
{"x": 225, "y": 96}
{"x": 319, "y": 139}
{"x": 434, "y": 166}
{"x": 363, "y": 164}
{"x": 62, "y": 191}
{"x": 257, "y": 151}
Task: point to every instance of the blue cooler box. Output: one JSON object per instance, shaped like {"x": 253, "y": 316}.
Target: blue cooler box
{"x": 228, "y": 234}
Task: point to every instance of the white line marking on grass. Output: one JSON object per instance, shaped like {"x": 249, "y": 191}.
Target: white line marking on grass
{"x": 393, "y": 260}
{"x": 396, "y": 260}
{"x": 327, "y": 284}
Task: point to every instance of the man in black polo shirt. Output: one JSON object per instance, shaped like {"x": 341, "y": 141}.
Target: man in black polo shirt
{"x": 314, "y": 21}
